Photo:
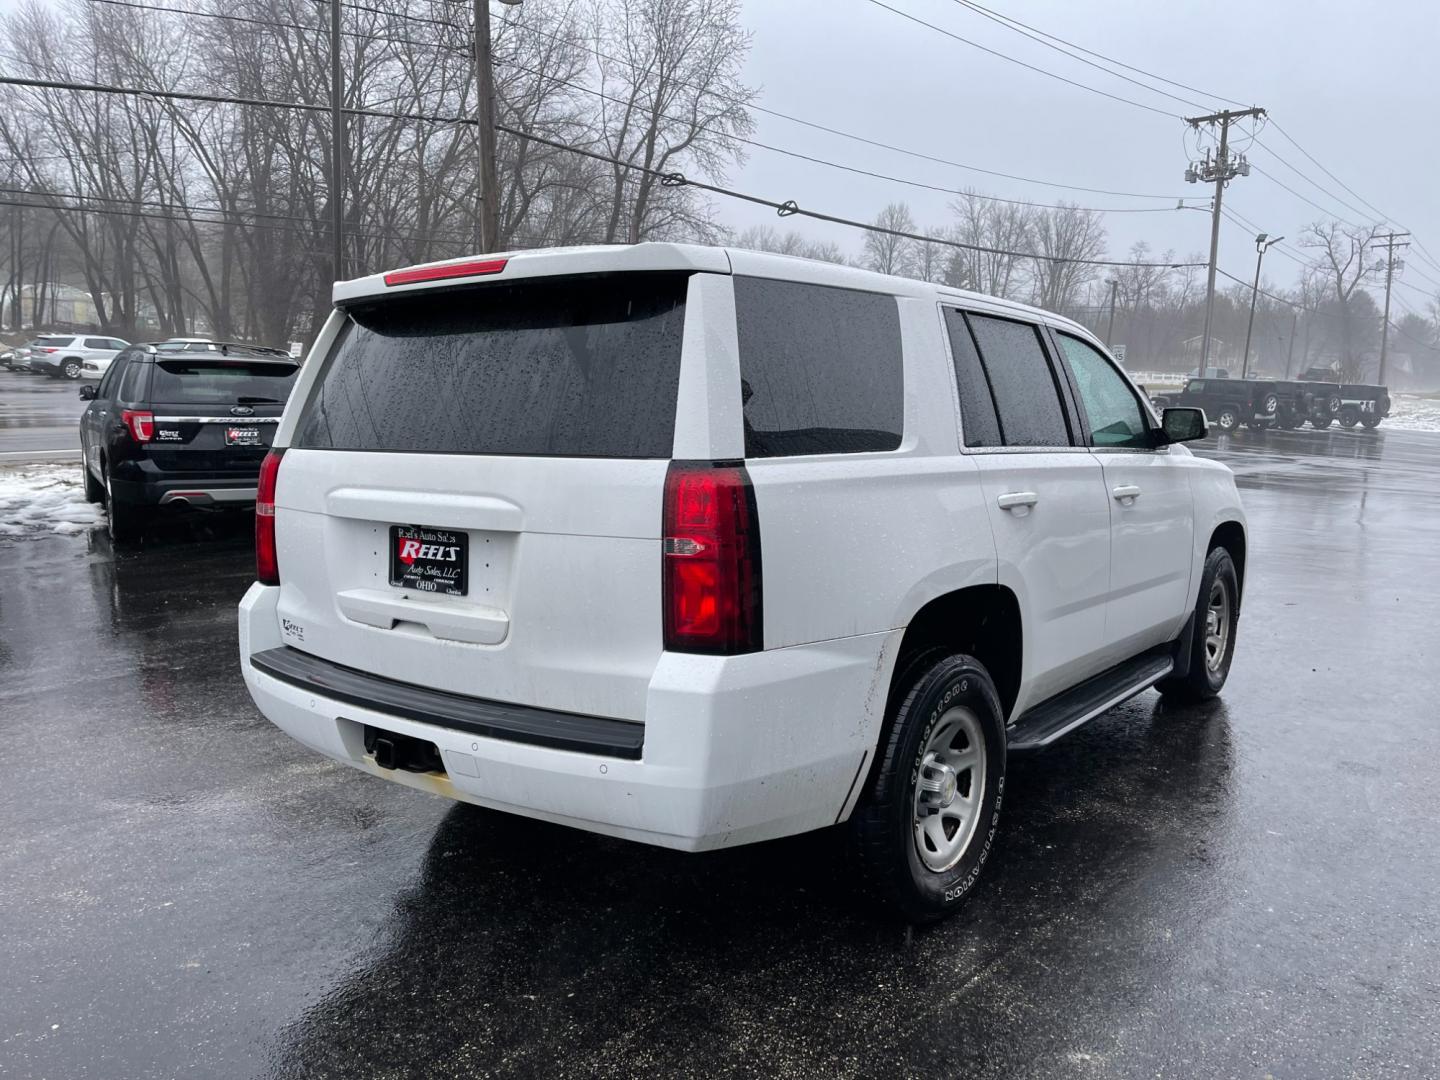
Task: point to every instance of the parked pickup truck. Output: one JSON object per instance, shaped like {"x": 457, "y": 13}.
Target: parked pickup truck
{"x": 701, "y": 547}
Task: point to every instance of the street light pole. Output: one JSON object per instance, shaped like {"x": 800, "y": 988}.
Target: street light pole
{"x": 488, "y": 219}
{"x": 1262, "y": 244}
{"x": 1110, "y": 328}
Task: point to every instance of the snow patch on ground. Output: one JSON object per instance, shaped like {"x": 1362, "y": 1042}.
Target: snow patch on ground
{"x": 1413, "y": 413}
{"x": 39, "y": 500}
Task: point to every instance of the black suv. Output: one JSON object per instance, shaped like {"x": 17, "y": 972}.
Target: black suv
{"x": 170, "y": 427}
{"x": 1228, "y": 403}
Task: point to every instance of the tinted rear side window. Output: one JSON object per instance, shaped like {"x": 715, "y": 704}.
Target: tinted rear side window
{"x": 1026, "y": 395}
{"x": 820, "y": 369}
{"x": 569, "y": 367}
{"x": 199, "y": 381}
{"x": 130, "y": 389}
{"x": 977, "y": 406}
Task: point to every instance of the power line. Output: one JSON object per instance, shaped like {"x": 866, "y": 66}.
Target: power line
{"x": 1015, "y": 26}
{"x": 1098, "y": 55}
{"x": 787, "y": 208}
{"x": 1013, "y": 23}
{"x": 1319, "y": 187}
{"x": 1021, "y": 63}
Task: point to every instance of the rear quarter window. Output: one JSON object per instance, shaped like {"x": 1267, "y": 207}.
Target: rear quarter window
{"x": 566, "y": 367}
{"x": 821, "y": 369}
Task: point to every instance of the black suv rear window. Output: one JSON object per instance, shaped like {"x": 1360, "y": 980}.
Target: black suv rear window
{"x": 567, "y": 367}
{"x": 820, "y": 369}
{"x": 221, "y": 382}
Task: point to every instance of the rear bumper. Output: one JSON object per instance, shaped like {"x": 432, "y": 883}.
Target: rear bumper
{"x": 190, "y": 490}
{"x": 735, "y": 749}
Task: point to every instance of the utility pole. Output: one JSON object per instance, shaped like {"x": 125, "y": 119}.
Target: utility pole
{"x": 1221, "y": 170}
{"x": 337, "y": 147}
{"x": 1290, "y": 353}
{"x": 1114, "y": 284}
{"x": 1262, "y": 245}
{"x": 488, "y": 222}
{"x": 1392, "y": 241}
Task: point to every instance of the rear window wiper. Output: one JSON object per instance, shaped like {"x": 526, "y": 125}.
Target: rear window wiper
{"x": 246, "y": 399}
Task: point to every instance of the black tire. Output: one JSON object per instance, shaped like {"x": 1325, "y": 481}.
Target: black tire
{"x": 94, "y": 490}
{"x": 1371, "y": 422}
{"x": 1228, "y": 418}
{"x": 70, "y": 368}
{"x": 125, "y": 521}
{"x": 883, "y": 826}
{"x": 1204, "y": 680}
{"x": 1349, "y": 416}
{"x": 1321, "y": 423}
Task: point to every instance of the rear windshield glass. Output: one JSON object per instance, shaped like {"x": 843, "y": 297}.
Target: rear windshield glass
{"x": 59, "y": 342}
{"x": 222, "y": 382}
{"x": 571, "y": 367}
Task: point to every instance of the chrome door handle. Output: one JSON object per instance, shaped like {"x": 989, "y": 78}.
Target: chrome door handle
{"x": 1013, "y": 499}
{"x": 1126, "y": 491}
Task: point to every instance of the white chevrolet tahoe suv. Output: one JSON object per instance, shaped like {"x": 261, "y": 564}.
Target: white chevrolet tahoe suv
{"x": 701, "y": 547}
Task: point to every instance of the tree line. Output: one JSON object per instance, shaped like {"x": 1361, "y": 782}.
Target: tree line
{"x": 174, "y": 214}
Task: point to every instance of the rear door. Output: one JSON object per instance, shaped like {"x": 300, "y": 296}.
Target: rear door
{"x": 216, "y": 414}
{"x": 1152, "y": 519}
{"x": 471, "y": 497}
{"x": 1044, "y": 493}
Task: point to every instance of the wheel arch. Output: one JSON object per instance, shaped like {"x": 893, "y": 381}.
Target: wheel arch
{"x": 1231, "y": 536}
{"x": 981, "y": 620}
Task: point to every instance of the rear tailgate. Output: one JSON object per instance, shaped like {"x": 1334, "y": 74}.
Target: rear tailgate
{"x": 216, "y": 415}
{"x": 471, "y": 501}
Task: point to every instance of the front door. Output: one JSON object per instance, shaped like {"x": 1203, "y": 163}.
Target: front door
{"x": 1151, "y": 509}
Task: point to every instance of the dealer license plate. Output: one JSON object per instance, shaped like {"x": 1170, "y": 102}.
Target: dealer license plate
{"x": 429, "y": 560}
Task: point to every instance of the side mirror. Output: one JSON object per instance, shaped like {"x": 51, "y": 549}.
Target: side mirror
{"x": 1184, "y": 425}
{"x": 87, "y": 393}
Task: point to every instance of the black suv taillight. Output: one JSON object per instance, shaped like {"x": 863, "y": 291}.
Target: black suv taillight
{"x": 711, "y": 559}
{"x": 267, "y": 564}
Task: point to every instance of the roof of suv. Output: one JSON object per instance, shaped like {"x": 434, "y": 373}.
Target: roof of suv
{"x": 605, "y": 258}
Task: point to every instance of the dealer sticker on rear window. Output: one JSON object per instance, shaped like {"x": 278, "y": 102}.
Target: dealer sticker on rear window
{"x": 428, "y": 560}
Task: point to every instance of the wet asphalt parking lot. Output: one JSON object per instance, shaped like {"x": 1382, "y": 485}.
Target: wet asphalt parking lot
{"x": 1247, "y": 889}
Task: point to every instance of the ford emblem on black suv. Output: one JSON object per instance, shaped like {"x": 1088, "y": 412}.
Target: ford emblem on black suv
{"x": 241, "y": 410}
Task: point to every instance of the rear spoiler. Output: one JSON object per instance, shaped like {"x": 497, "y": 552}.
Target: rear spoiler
{"x": 242, "y": 350}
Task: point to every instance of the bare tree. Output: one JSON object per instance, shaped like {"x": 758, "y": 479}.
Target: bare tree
{"x": 670, "y": 98}
{"x": 1068, "y": 236}
{"x": 1340, "y": 264}
{"x": 888, "y": 253}
{"x": 1000, "y": 226}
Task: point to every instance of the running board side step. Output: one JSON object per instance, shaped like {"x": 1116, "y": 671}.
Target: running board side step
{"x": 1046, "y": 722}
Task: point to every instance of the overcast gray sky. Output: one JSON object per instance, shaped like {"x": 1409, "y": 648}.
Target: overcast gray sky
{"x": 1356, "y": 84}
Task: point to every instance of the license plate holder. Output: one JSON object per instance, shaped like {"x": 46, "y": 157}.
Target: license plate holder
{"x": 248, "y": 435}
{"x": 429, "y": 560}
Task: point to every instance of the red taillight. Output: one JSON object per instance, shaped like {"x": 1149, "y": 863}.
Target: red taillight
{"x": 445, "y": 270}
{"x": 711, "y": 560}
{"x": 267, "y": 564}
{"x": 49, "y": 350}
{"x": 140, "y": 423}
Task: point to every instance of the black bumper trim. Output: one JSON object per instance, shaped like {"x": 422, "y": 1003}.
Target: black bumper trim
{"x": 478, "y": 716}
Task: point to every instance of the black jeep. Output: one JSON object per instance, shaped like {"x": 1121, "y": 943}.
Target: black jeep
{"x": 1228, "y": 403}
